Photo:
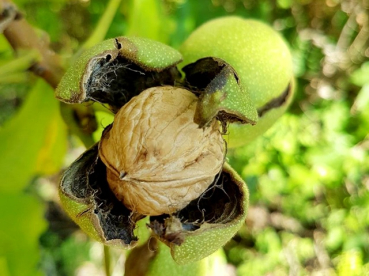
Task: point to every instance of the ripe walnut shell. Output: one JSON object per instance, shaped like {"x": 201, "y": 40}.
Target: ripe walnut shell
{"x": 158, "y": 159}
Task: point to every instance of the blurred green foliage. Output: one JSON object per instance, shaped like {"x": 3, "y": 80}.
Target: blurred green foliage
{"x": 308, "y": 176}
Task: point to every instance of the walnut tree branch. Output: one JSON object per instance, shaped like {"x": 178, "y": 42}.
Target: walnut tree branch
{"x": 22, "y": 36}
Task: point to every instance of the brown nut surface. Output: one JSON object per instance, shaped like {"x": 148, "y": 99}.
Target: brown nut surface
{"x": 157, "y": 158}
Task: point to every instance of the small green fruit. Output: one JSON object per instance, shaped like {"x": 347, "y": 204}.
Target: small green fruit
{"x": 261, "y": 59}
{"x": 155, "y": 259}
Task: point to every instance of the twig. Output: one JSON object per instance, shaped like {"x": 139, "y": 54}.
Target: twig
{"x": 107, "y": 260}
{"x": 21, "y": 35}
{"x": 8, "y": 13}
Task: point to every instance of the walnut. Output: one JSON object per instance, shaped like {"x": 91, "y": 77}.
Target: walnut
{"x": 157, "y": 157}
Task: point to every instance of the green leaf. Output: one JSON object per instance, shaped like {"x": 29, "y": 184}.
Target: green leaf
{"x": 284, "y": 4}
{"x": 103, "y": 119}
{"x": 21, "y": 223}
{"x": 4, "y": 45}
{"x": 51, "y": 155}
{"x": 147, "y": 19}
{"x": 360, "y": 77}
{"x": 362, "y": 99}
{"x": 20, "y": 64}
{"x": 3, "y": 267}
{"x": 103, "y": 25}
{"x": 350, "y": 264}
{"x": 24, "y": 136}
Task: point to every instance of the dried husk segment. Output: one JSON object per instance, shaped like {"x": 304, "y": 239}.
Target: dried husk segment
{"x": 116, "y": 69}
{"x": 158, "y": 159}
{"x": 85, "y": 195}
{"x": 208, "y": 222}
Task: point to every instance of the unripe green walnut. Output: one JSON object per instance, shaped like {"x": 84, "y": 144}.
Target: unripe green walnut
{"x": 262, "y": 61}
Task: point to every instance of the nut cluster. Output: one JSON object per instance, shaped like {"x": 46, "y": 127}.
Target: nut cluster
{"x": 164, "y": 154}
{"x": 157, "y": 158}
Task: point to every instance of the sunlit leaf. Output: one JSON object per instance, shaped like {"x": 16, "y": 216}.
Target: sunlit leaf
{"x": 51, "y": 156}
{"x": 362, "y": 100}
{"x": 3, "y": 267}
{"x": 21, "y": 223}
{"x": 147, "y": 19}
{"x": 350, "y": 264}
{"x": 360, "y": 77}
{"x": 103, "y": 120}
{"x": 23, "y": 136}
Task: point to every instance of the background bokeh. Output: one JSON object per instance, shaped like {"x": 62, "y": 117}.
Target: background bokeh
{"x": 308, "y": 175}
